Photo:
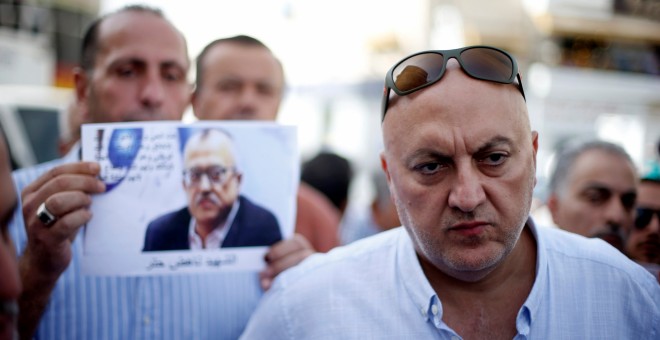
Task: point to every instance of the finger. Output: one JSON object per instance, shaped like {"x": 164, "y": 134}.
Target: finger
{"x": 81, "y": 168}
{"x": 63, "y": 183}
{"x": 49, "y": 248}
{"x": 71, "y": 210}
{"x": 266, "y": 278}
{"x": 289, "y": 260}
{"x": 284, "y": 247}
{"x": 63, "y": 203}
{"x": 65, "y": 227}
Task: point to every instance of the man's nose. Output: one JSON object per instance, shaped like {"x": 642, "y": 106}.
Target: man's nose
{"x": 467, "y": 192}
{"x": 618, "y": 214}
{"x": 205, "y": 183}
{"x": 249, "y": 97}
{"x": 152, "y": 91}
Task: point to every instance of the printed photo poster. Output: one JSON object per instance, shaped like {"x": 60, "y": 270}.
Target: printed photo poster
{"x": 188, "y": 198}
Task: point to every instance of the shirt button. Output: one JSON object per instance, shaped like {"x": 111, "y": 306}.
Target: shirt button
{"x": 146, "y": 320}
{"x": 434, "y": 309}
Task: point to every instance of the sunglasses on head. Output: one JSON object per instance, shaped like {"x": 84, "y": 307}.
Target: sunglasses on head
{"x": 643, "y": 217}
{"x": 423, "y": 69}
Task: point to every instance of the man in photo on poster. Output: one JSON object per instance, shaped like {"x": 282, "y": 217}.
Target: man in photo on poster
{"x": 217, "y": 214}
{"x": 182, "y": 196}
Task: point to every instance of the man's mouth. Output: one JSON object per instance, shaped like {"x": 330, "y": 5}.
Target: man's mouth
{"x": 651, "y": 247}
{"x": 469, "y": 228}
{"x": 206, "y": 203}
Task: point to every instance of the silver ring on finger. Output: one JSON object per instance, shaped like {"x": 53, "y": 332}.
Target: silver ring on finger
{"x": 45, "y": 216}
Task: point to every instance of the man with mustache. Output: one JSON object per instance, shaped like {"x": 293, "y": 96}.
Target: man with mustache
{"x": 216, "y": 215}
{"x": 593, "y": 190}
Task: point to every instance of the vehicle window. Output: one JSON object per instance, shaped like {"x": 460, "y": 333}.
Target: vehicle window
{"x": 42, "y": 127}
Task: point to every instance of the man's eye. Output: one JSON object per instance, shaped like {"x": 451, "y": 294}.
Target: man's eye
{"x": 126, "y": 72}
{"x": 195, "y": 175}
{"x": 229, "y": 86}
{"x": 215, "y": 175}
{"x": 428, "y": 168}
{"x": 172, "y": 75}
{"x": 266, "y": 90}
{"x": 597, "y": 197}
{"x": 494, "y": 159}
{"x": 628, "y": 200}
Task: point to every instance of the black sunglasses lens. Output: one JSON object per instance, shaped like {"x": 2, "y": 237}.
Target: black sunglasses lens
{"x": 417, "y": 71}
{"x": 643, "y": 218}
{"x": 488, "y": 64}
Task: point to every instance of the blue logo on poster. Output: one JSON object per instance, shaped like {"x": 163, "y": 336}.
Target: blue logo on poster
{"x": 122, "y": 150}
{"x": 124, "y": 146}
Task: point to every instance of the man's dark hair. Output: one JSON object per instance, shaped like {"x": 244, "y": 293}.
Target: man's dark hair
{"x": 330, "y": 174}
{"x": 244, "y": 40}
{"x": 90, "y": 44}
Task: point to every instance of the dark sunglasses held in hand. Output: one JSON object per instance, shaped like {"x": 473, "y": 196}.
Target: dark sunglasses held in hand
{"x": 423, "y": 69}
{"x": 643, "y": 217}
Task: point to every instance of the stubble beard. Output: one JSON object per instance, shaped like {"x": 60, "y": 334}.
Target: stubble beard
{"x": 450, "y": 261}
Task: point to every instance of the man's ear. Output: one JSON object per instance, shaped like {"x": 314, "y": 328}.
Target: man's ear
{"x": 383, "y": 165}
{"x": 81, "y": 81}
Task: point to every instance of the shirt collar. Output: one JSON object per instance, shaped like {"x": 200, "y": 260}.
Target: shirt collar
{"x": 217, "y": 236}
{"x": 534, "y": 300}
{"x": 427, "y": 302}
{"x": 413, "y": 279}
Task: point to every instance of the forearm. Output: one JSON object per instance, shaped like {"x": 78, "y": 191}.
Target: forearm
{"x": 37, "y": 289}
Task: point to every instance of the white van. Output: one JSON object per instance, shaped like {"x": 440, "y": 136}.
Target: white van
{"x": 34, "y": 119}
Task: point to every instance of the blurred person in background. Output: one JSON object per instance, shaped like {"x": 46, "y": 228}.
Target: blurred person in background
{"x": 10, "y": 284}
{"x": 134, "y": 64}
{"x": 239, "y": 78}
{"x": 592, "y": 191}
{"x": 643, "y": 243}
{"x": 379, "y": 215}
{"x": 330, "y": 174}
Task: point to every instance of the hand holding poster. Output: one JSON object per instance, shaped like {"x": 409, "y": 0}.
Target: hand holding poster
{"x": 186, "y": 198}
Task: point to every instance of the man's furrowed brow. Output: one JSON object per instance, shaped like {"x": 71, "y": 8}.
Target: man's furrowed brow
{"x": 497, "y": 141}
{"x": 427, "y": 153}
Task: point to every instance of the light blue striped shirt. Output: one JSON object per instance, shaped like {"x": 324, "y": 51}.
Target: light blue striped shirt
{"x": 375, "y": 289}
{"x": 192, "y": 306}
